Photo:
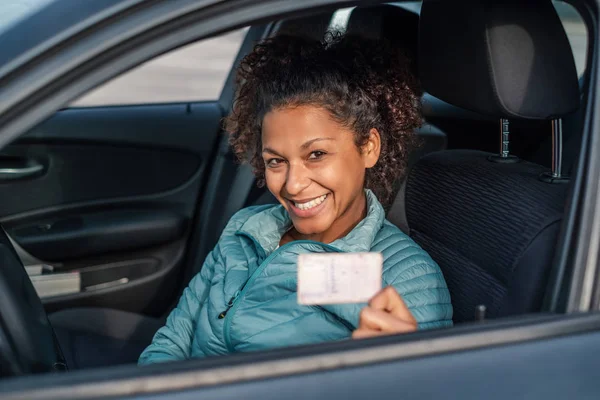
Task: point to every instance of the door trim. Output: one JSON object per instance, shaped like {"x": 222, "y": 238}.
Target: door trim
{"x": 253, "y": 366}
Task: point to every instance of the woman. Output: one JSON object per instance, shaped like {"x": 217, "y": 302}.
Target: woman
{"x": 328, "y": 127}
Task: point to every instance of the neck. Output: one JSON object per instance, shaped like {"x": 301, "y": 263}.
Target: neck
{"x": 355, "y": 213}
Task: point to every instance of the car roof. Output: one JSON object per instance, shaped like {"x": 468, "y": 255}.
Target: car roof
{"x": 48, "y": 24}
{"x": 45, "y": 23}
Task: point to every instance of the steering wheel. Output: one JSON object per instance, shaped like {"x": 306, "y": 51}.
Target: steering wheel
{"x": 27, "y": 341}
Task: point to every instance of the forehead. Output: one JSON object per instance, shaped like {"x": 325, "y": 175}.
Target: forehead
{"x": 301, "y": 123}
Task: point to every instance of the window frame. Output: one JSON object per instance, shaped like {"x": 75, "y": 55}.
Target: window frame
{"x": 162, "y": 33}
{"x": 587, "y": 34}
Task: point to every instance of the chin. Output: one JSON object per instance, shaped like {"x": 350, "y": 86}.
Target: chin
{"x": 305, "y": 228}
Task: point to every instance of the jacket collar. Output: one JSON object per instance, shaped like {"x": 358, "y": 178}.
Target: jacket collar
{"x": 268, "y": 226}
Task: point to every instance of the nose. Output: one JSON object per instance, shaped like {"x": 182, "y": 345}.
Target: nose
{"x": 297, "y": 179}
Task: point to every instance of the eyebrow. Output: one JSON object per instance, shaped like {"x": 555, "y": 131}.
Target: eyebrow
{"x": 303, "y": 146}
{"x": 269, "y": 150}
{"x": 307, "y": 144}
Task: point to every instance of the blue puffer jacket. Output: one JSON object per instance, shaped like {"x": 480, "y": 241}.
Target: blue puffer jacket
{"x": 254, "y": 283}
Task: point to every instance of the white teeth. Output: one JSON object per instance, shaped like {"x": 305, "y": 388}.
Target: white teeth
{"x": 311, "y": 204}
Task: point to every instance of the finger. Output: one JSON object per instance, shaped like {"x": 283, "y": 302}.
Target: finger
{"x": 366, "y": 320}
{"x": 389, "y": 300}
{"x": 380, "y": 320}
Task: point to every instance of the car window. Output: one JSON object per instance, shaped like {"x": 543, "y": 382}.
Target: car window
{"x": 339, "y": 20}
{"x": 13, "y": 11}
{"x": 136, "y": 161}
{"x": 196, "y": 72}
{"x": 576, "y": 32}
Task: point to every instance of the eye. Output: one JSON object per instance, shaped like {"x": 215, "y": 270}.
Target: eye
{"x": 274, "y": 162}
{"x": 316, "y": 155}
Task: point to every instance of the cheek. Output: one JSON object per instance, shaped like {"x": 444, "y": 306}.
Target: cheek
{"x": 342, "y": 175}
{"x": 274, "y": 181}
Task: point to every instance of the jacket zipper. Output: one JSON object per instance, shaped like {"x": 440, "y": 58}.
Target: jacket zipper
{"x": 230, "y": 304}
{"x": 233, "y": 303}
{"x": 237, "y": 293}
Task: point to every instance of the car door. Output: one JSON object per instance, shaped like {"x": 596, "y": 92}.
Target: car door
{"x": 101, "y": 198}
{"x": 531, "y": 356}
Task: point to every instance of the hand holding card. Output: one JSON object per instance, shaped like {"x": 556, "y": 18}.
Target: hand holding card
{"x": 336, "y": 278}
{"x": 386, "y": 314}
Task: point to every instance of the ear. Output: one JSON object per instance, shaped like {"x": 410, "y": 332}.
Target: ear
{"x": 372, "y": 148}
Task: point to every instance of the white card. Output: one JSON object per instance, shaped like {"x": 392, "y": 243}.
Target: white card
{"x": 337, "y": 278}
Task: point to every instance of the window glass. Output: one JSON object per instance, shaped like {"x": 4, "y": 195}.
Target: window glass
{"x": 196, "y": 72}
{"x": 339, "y": 20}
{"x": 576, "y": 32}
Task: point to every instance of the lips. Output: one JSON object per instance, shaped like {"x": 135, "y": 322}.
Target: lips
{"x": 308, "y": 208}
{"x": 310, "y": 204}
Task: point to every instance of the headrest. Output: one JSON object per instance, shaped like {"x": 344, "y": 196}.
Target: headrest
{"x": 396, "y": 24}
{"x": 311, "y": 26}
{"x": 506, "y": 58}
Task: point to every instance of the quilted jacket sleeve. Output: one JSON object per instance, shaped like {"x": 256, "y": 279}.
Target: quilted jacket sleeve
{"x": 173, "y": 341}
{"x": 414, "y": 274}
{"x": 420, "y": 282}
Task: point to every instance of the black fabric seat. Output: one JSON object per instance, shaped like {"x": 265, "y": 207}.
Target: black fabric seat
{"x": 491, "y": 226}
{"x": 390, "y": 22}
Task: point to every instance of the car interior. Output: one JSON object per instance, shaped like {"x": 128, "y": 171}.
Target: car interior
{"x": 112, "y": 210}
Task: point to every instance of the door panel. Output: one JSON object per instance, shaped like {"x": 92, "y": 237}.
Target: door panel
{"x": 558, "y": 368}
{"x": 526, "y": 357}
{"x": 77, "y": 173}
{"x": 86, "y": 234}
{"x": 109, "y": 208}
{"x": 143, "y": 281}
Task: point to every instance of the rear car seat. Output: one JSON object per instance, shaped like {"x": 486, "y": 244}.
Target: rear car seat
{"x": 492, "y": 227}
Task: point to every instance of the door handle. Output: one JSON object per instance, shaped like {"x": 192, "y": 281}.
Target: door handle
{"x": 15, "y": 168}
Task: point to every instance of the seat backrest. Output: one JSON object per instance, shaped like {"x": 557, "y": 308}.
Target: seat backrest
{"x": 388, "y": 21}
{"x": 312, "y": 26}
{"x": 491, "y": 226}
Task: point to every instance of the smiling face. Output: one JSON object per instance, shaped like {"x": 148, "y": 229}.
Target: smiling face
{"x": 316, "y": 171}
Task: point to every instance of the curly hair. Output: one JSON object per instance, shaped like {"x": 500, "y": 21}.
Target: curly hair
{"x": 362, "y": 83}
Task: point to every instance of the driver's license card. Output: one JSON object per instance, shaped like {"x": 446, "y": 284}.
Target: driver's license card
{"x": 336, "y": 278}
